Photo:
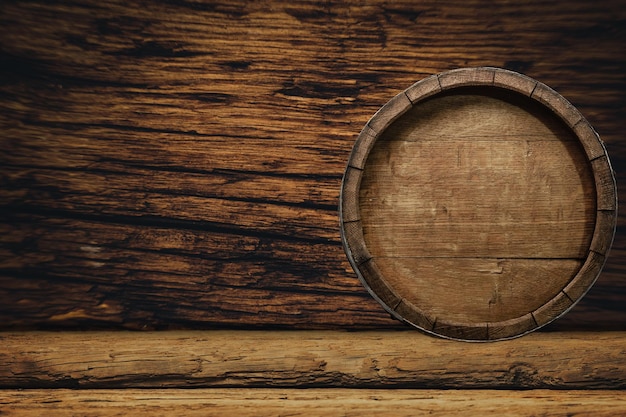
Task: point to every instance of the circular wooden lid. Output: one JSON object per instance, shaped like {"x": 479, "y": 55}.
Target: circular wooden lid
{"x": 478, "y": 204}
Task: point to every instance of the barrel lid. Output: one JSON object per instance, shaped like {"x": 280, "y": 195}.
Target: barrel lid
{"x": 478, "y": 204}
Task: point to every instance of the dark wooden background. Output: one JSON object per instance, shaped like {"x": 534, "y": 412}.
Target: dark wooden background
{"x": 177, "y": 164}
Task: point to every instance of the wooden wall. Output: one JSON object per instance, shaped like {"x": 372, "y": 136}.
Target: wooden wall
{"x": 176, "y": 164}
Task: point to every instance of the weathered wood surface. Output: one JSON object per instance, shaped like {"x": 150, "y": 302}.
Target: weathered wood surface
{"x": 179, "y": 165}
{"x": 313, "y": 402}
{"x": 306, "y": 359}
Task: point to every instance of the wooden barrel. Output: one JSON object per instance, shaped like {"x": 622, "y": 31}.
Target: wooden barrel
{"x": 478, "y": 204}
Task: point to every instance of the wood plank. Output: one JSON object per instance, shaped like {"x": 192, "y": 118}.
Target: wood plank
{"x": 236, "y": 200}
{"x": 147, "y": 131}
{"x": 293, "y": 402}
{"x": 567, "y": 360}
{"x": 68, "y": 272}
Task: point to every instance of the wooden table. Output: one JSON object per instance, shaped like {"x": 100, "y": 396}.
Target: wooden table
{"x": 176, "y": 166}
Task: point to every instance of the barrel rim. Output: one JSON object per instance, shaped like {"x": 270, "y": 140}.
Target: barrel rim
{"x": 364, "y": 264}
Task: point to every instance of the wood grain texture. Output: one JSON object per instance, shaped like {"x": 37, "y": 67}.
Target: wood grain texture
{"x": 476, "y": 190}
{"x": 179, "y": 165}
{"x": 311, "y": 402}
{"x": 306, "y": 359}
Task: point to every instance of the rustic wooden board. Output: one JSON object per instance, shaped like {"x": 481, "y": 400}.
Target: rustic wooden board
{"x": 306, "y": 359}
{"x": 294, "y": 402}
{"x": 179, "y": 165}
